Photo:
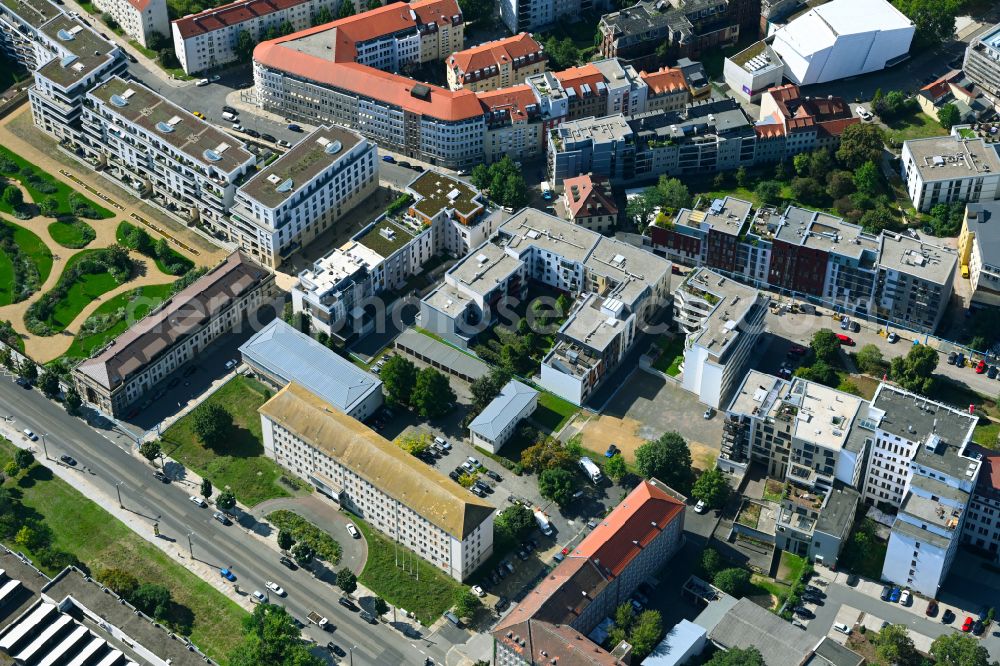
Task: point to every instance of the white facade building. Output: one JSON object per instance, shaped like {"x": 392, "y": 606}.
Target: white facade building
{"x": 303, "y": 193}
{"x": 208, "y": 39}
{"x": 722, "y": 321}
{"x": 493, "y": 426}
{"x": 413, "y": 504}
{"x": 753, "y": 70}
{"x": 950, "y": 168}
{"x": 841, "y": 39}
{"x": 140, "y": 19}
{"x": 163, "y": 152}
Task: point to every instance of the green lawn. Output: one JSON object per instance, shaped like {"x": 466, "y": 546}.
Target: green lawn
{"x": 176, "y": 72}
{"x": 72, "y": 233}
{"x": 864, "y": 552}
{"x": 428, "y": 596}
{"x": 671, "y": 356}
{"x": 80, "y": 293}
{"x": 986, "y": 433}
{"x": 914, "y": 125}
{"x": 553, "y": 412}
{"x": 327, "y": 548}
{"x": 30, "y": 244}
{"x": 175, "y": 257}
{"x": 99, "y": 540}
{"x": 62, "y": 190}
{"x": 145, "y": 299}
{"x": 239, "y": 462}
{"x": 6, "y": 279}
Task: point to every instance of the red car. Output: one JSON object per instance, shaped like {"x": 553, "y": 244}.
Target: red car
{"x": 798, "y": 350}
{"x": 845, "y": 339}
{"x": 980, "y": 367}
{"x": 967, "y": 625}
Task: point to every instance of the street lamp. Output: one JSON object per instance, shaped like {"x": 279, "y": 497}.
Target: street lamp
{"x": 44, "y": 447}
{"x": 118, "y": 489}
{"x": 190, "y": 545}
{"x": 350, "y": 652}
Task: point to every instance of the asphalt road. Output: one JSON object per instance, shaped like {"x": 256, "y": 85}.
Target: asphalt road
{"x": 253, "y": 562}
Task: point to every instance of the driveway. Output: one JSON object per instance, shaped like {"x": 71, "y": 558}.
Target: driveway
{"x": 327, "y": 517}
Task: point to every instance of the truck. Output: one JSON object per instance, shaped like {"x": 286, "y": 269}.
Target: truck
{"x": 543, "y": 522}
{"x": 590, "y": 469}
{"x": 318, "y": 620}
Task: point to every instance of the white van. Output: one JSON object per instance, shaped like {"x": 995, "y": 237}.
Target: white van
{"x": 226, "y": 115}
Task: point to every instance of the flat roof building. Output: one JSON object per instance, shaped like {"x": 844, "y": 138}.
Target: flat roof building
{"x": 282, "y": 354}
{"x": 950, "y": 168}
{"x": 493, "y": 426}
{"x": 979, "y": 252}
{"x": 915, "y": 281}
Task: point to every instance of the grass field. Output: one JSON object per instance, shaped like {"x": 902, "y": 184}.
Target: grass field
{"x": 553, "y": 412}
{"x": 671, "y": 356}
{"x": 72, "y": 233}
{"x": 238, "y": 463}
{"x": 145, "y": 299}
{"x": 29, "y": 243}
{"x": 914, "y": 125}
{"x": 176, "y": 72}
{"x": 6, "y": 279}
{"x": 62, "y": 190}
{"x": 99, "y": 540}
{"x": 80, "y": 293}
{"x": 428, "y": 597}
{"x": 175, "y": 256}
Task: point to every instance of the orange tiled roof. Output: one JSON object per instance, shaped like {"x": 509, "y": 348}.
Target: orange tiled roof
{"x": 664, "y": 80}
{"x": 514, "y": 100}
{"x": 495, "y": 54}
{"x": 587, "y": 196}
{"x": 575, "y": 77}
{"x": 226, "y": 15}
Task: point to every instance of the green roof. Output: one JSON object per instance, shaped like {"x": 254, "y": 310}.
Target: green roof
{"x": 374, "y": 239}
{"x": 438, "y": 191}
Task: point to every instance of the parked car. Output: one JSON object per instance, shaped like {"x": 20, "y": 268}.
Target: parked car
{"x": 894, "y": 597}
{"x": 700, "y": 507}
{"x": 855, "y": 327}
{"x": 200, "y": 501}
{"x": 231, "y": 363}
{"x": 292, "y": 127}
{"x": 131, "y": 58}
{"x": 612, "y": 450}
{"x": 991, "y": 372}
{"x": 960, "y": 361}
{"x": 222, "y": 518}
{"x": 477, "y": 491}
{"x": 405, "y": 165}
{"x": 798, "y": 350}
{"x": 353, "y": 531}
{"x": 904, "y": 598}
{"x": 68, "y": 460}
{"x": 978, "y": 627}
{"x": 864, "y": 113}
{"x": 947, "y": 617}
{"x": 478, "y": 591}
{"x": 268, "y": 137}
{"x": 845, "y": 324}
{"x": 892, "y": 338}
{"x": 257, "y": 597}
{"x": 967, "y": 625}
{"x": 198, "y": 114}
{"x": 201, "y": 82}
{"x": 802, "y": 611}
{"x": 952, "y": 357}
{"x": 288, "y": 563}
{"x": 709, "y": 413}
{"x": 214, "y": 78}
{"x": 845, "y": 340}
{"x": 283, "y": 143}
{"x": 347, "y": 603}
{"x": 30, "y": 435}
{"x": 251, "y": 132}
{"x": 454, "y": 475}
{"x": 501, "y": 604}
{"x": 161, "y": 477}
{"x": 494, "y": 475}
{"x": 231, "y": 577}
{"x": 886, "y": 592}
{"x": 389, "y": 158}
{"x": 932, "y": 608}
{"x": 842, "y": 628}
{"x": 981, "y": 367}
{"x": 229, "y": 109}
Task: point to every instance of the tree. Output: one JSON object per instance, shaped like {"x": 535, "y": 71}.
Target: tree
{"x": 556, "y": 485}
{"x": 934, "y": 20}
{"x": 398, "y": 376}
{"x": 820, "y": 164}
{"x": 801, "y": 164}
{"x": 73, "y": 400}
{"x": 640, "y": 207}
{"x": 49, "y": 383}
{"x": 346, "y": 580}
{"x": 152, "y": 599}
{"x": 206, "y": 488}
{"x": 150, "y": 450}
{"x": 667, "y": 459}
{"x": 285, "y": 540}
{"x": 118, "y": 581}
{"x": 303, "y": 553}
{"x": 513, "y": 523}
{"x": 271, "y": 637}
{"x": 954, "y": 649}
{"x": 859, "y": 144}
{"x": 27, "y": 370}
{"x": 49, "y": 206}
{"x": 869, "y": 359}
{"x": 878, "y": 219}
{"x": 711, "y": 563}
{"x": 672, "y": 193}
{"x": 226, "y": 500}
{"x": 432, "y": 395}
{"x": 915, "y": 371}
{"x": 168, "y": 58}
{"x": 866, "y": 178}
{"x": 893, "y": 645}
{"x": 949, "y": 115}
{"x": 742, "y": 177}
{"x": 466, "y": 603}
{"x": 323, "y": 16}
{"x": 211, "y": 423}
{"x": 646, "y": 632}
{"x": 12, "y": 197}
{"x": 549, "y": 453}
{"x": 807, "y": 190}
{"x": 734, "y": 581}
{"x": 562, "y": 54}
{"x": 768, "y": 191}
{"x": 840, "y": 184}
{"x": 27, "y": 537}
{"x": 485, "y": 388}
{"x": 615, "y": 468}
{"x": 244, "y": 46}
{"x": 820, "y": 372}
{"x": 712, "y": 488}
{"x": 380, "y": 606}
{"x": 737, "y": 657}
{"x": 11, "y": 469}
{"x": 414, "y": 443}
{"x": 825, "y": 345}
{"x": 24, "y": 458}
{"x": 345, "y": 9}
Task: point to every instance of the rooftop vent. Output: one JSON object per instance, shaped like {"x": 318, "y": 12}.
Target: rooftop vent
{"x": 333, "y": 147}
{"x": 166, "y": 128}
{"x": 274, "y": 179}
{"x": 211, "y": 155}
{"x": 285, "y": 186}
{"x": 69, "y": 60}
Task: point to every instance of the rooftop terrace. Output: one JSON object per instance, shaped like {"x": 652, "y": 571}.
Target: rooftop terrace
{"x": 438, "y": 191}
{"x": 33, "y": 12}
{"x": 386, "y": 237}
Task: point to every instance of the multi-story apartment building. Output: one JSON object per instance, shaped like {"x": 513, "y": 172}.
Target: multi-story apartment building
{"x": 979, "y": 253}
{"x": 141, "y": 19}
{"x": 589, "y": 202}
{"x": 499, "y": 64}
{"x": 982, "y": 62}
{"x": 721, "y": 321}
{"x": 807, "y": 123}
{"x": 914, "y": 281}
{"x": 982, "y": 520}
{"x": 413, "y": 504}
{"x": 142, "y": 357}
{"x": 632, "y": 543}
{"x": 816, "y": 525}
{"x": 514, "y": 124}
{"x": 302, "y": 194}
{"x": 950, "y": 168}
{"x": 70, "y": 59}
{"x": 163, "y": 152}
{"x": 668, "y": 89}
{"x": 813, "y": 255}
{"x": 705, "y": 138}
{"x": 209, "y": 39}
{"x": 458, "y": 213}
{"x": 526, "y": 15}
{"x": 21, "y": 36}
{"x": 685, "y": 27}
{"x": 919, "y": 466}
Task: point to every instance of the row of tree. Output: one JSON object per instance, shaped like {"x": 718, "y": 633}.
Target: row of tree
{"x": 503, "y": 181}
{"x": 427, "y": 391}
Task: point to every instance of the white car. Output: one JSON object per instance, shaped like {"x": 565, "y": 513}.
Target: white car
{"x": 842, "y": 628}
{"x": 274, "y": 587}
{"x": 30, "y": 435}
{"x": 201, "y": 82}
{"x": 904, "y": 598}
{"x": 700, "y": 506}
{"x": 198, "y": 500}
{"x": 864, "y": 113}
{"x": 478, "y": 591}
{"x": 353, "y": 531}
{"x": 257, "y": 597}
{"x": 474, "y": 462}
